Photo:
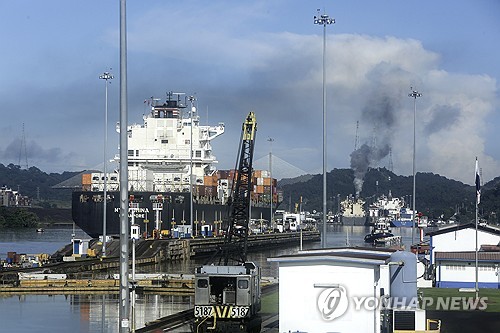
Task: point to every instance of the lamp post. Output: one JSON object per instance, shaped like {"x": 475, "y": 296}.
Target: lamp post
{"x": 124, "y": 309}
{"x": 271, "y": 140}
{"x": 193, "y": 109}
{"x": 324, "y": 20}
{"x": 414, "y": 94}
{"x": 105, "y": 76}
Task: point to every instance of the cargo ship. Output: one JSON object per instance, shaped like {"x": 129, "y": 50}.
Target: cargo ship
{"x": 353, "y": 212}
{"x": 170, "y": 163}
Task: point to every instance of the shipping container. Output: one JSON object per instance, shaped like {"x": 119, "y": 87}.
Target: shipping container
{"x": 210, "y": 180}
{"x": 86, "y": 179}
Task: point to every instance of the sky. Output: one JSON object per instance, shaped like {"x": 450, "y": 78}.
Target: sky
{"x": 267, "y": 57}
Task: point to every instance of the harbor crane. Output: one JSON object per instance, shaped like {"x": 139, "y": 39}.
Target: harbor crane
{"x": 227, "y": 292}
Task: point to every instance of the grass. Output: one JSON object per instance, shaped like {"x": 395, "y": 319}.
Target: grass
{"x": 492, "y": 295}
{"x": 270, "y": 303}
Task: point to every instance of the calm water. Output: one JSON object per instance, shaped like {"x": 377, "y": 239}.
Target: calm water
{"x": 85, "y": 313}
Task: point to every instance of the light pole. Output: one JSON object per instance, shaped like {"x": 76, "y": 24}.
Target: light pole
{"x": 271, "y": 140}
{"x": 324, "y": 20}
{"x": 414, "y": 94}
{"x": 124, "y": 309}
{"x": 193, "y": 109}
{"x": 105, "y": 76}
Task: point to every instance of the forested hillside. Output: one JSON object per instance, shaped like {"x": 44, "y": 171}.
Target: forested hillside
{"x": 436, "y": 196}
{"x": 36, "y": 184}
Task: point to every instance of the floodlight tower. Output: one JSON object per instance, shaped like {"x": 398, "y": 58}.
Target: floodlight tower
{"x": 414, "y": 94}
{"x": 271, "y": 140}
{"x": 107, "y": 77}
{"x": 324, "y": 20}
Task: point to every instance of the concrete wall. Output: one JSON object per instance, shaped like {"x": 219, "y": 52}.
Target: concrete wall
{"x": 298, "y": 306}
{"x": 462, "y": 274}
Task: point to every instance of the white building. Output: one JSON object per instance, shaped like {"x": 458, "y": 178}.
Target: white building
{"x": 461, "y": 238}
{"x": 458, "y": 269}
{"x": 342, "y": 290}
{"x": 453, "y": 256}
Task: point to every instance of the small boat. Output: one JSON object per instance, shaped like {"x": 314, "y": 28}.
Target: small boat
{"x": 380, "y": 230}
{"x": 40, "y": 230}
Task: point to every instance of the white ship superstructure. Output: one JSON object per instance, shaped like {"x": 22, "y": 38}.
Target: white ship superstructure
{"x": 159, "y": 150}
{"x": 387, "y": 207}
{"x": 353, "y": 211}
{"x": 353, "y": 207}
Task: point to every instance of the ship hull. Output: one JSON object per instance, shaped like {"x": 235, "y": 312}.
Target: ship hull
{"x": 401, "y": 223}
{"x": 88, "y": 211}
{"x": 354, "y": 220}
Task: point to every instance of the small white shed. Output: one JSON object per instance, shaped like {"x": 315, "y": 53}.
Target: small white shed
{"x": 340, "y": 290}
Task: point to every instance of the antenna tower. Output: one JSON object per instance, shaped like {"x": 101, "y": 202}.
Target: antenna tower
{"x": 391, "y": 166}
{"x": 23, "y": 149}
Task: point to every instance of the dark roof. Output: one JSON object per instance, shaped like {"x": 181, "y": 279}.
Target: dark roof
{"x": 468, "y": 255}
{"x": 485, "y": 228}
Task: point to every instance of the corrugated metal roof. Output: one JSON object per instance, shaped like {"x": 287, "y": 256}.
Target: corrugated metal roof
{"x": 468, "y": 255}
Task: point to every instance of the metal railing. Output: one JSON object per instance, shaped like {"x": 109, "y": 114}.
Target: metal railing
{"x": 432, "y": 326}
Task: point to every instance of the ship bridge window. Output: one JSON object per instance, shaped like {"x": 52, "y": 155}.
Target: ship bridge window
{"x": 243, "y": 284}
{"x": 198, "y": 153}
{"x": 164, "y": 141}
{"x": 130, "y": 153}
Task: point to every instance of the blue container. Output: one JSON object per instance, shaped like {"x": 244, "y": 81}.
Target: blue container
{"x": 209, "y": 233}
{"x": 175, "y": 234}
{"x": 9, "y": 260}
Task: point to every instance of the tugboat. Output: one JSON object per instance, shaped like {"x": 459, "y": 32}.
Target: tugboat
{"x": 380, "y": 230}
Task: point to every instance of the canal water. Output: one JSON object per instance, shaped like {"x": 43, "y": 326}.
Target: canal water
{"x": 99, "y": 313}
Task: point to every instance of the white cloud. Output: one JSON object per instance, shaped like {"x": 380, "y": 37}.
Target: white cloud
{"x": 279, "y": 75}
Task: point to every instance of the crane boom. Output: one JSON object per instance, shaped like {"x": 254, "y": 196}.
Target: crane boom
{"x": 228, "y": 295}
{"x": 235, "y": 242}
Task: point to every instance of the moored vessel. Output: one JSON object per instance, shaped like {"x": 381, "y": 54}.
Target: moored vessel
{"x": 170, "y": 163}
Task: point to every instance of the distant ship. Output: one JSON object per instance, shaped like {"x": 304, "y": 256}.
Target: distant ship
{"x": 392, "y": 209}
{"x": 168, "y": 150}
{"x": 352, "y": 211}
